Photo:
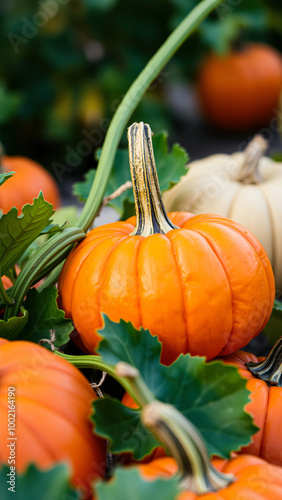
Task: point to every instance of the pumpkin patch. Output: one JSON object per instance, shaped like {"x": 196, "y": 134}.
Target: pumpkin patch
{"x": 123, "y": 315}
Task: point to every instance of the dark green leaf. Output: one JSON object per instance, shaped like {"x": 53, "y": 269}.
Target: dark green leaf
{"x": 212, "y": 395}
{"x": 13, "y": 328}
{"x": 123, "y": 427}
{"x": 127, "y": 484}
{"x": 170, "y": 167}
{"x": 273, "y": 329}
{"x": 17, "y": 233}
{"x": 35, "y": 484}
{"x": 5, "y": 176}
{"x": 44, "y": 316}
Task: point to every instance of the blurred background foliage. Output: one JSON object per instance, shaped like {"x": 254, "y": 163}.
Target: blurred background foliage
{"x": 66, "y": 64}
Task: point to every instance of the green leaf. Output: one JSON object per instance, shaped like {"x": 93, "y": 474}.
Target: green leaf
{"x": 13, "y": 328}
{"x": 212, "y": 395}
{"x": 17, "y": 233}
{"x": 170, "y": 167}
{"x": 123, "y": 428}
{"x": 127, "y": 484}
{"x": 44, "y": 316}
{"x": 34, "y": 484}
{"x": 5, "y": 176}
{"x": 273, "y": 329}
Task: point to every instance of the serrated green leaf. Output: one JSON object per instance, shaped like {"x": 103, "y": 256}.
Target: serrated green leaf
{"x": 13, "y": 328}
{"x": 44, "y": 316}
{"x": 127, "y": 484}
{"x": 5, "y": 176}
{"x": 170, "y": 167}
{"x": 35, "y": 484}
{"x": 17, "y": 233}
{"x": 212, "y": 395}
{"x": 112, "y": 418}
{"x": 273, "y": 329}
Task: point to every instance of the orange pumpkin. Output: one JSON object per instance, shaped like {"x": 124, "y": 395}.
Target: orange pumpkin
{"x": 240, "y": 90}
{"x": 52, "y": 408}
{"x": 202, "y": 284}
{"x": 30, "y": 178}
{"x": 255, "y": 479}
{"x": 265, "y": 406}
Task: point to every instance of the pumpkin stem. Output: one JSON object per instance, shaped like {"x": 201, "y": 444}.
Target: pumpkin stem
{"x": 248, "y": 172}
{"x": 187, "y": 447}
{"x": 269, "y": 370}
{"x": 151, "y": 216}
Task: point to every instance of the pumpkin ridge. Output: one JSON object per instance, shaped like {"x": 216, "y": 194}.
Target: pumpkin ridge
{"x": 235, "y": 227}
{"x": 227, "y": 277}
{"x": 185, "y": 313}
{"x": 72, "y": 423}
{"x": 233, "y": 201}
{"x": 273, "y": 231}
{"x": 84, "y": 258}
{"x": 104, "y": 268}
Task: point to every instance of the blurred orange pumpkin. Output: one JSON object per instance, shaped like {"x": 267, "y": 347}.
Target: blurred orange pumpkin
{"x": 30, "y": 178}
{"x": 240, "y": 90}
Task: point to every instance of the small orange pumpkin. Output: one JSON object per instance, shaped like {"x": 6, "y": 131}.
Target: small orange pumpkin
{"x": 240, "y": 90}
{"x": 202, "y": 284}
{"x": 52, "y": 402}
{"x": 25, "y": 185}
{"x": 265, "y": 404}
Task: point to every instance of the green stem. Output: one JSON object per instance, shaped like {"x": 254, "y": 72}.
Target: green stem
{"x": 51, "y": 252}
{"x": 133, "y": 384}
{"x": 185, "y": 444}
{"x": 151, "y": 216}
{"x": 131, "y": 100}
{"x": 270, "y": 369}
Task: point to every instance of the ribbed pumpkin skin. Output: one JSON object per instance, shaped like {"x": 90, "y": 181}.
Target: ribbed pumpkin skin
{"x": 206, "y": 288}
{"x": 29, "y": 180}
{"x": 211, "y": 186}
{"x": 255, "y": 478}
{"x": 266, "y": 408}
{"x": 53, "y": 405}
{"x": 240, "y": 90}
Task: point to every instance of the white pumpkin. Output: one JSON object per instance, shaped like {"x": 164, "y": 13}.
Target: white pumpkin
{"x": 245, "y": 187}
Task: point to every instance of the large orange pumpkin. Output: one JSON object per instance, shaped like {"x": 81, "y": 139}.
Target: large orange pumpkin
{"x": 202, "y": 284}
{"x": 255, "y": 479}
{"x": 52, "y": 407}
{"x": 30, "y": 178}
{"x": 240, "y": 90}
{"x": 265, "y": 405}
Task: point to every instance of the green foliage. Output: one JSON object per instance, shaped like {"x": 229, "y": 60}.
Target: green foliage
{"x": 18, "y": 232}
{"x": 34, "y": 484}
{"x": 41, "y": 315}
{"x": 211, "y": 395}
{"x": 128, "y": 484}
{"x": 170, "y": 166}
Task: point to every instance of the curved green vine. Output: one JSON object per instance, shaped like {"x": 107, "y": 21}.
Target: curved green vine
{"x": 130, "y": 102}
